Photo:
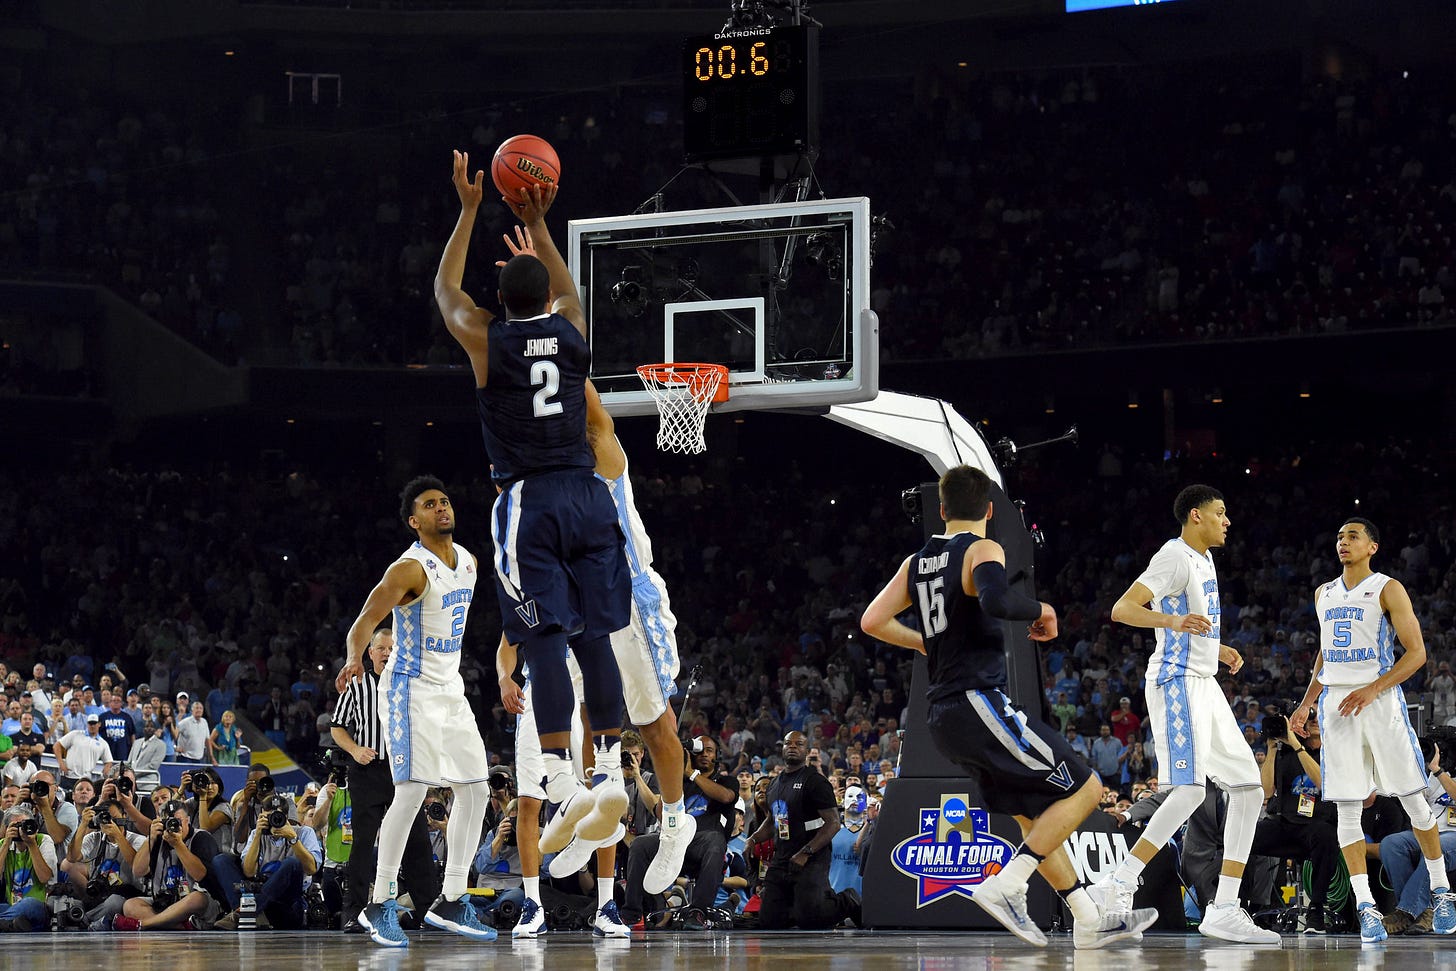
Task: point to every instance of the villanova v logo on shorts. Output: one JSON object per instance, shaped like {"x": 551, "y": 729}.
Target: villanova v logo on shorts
{"x": 527, "y": 613}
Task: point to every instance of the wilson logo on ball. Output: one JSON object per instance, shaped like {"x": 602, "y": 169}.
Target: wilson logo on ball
{"x": 534, "y": 171}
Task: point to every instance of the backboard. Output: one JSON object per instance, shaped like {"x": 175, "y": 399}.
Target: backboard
{"x": 779, "y": 293}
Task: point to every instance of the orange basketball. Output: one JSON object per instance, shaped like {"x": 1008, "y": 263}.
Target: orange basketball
{"x": 524, "y": 161}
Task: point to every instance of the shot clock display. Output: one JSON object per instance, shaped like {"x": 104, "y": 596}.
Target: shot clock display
{"x": 750, "y": 93}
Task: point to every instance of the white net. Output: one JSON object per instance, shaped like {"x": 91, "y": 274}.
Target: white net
{"x": 683, "y": 393}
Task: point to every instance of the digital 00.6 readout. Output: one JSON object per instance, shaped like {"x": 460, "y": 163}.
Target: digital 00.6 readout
{"x": 726, "y": 62}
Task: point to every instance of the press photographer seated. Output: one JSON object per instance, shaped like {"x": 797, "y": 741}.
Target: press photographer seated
{"x": 30, "y": 864}
{"x": 278, "y": 864}
{"x": 101, "y": 863}
{"x": 173, "y": 865}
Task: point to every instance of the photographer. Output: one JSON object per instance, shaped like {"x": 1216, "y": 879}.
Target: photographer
{"x": 279, "y": 862}
{"x": 209, "y": 810}
{"x": 56, "y": 816}
{"x": 248, "y": 801}
{"x": 709, "y": 795}
{"x": 436, "y": 810}
{"x": 1298, "y": 824}
{"x": 643, "y": 798}
{"x": 332, "y": 819}
{"x": 173, "y": 865}
{"x": 498, "y": 862}
{"x": 502, "y": 790}
{"x": 103, "y": 862}
{"x": 1416, "y": 911}
{"x": 29, "y": 864}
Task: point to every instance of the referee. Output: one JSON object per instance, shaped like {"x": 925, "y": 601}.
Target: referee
{"x": 355, "y": 729}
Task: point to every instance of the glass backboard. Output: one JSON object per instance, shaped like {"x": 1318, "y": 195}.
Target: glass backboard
{"x": 778, "y": 292}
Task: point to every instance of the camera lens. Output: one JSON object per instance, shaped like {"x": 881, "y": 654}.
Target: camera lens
{"x": 124, "y": 785}
{"x": 436, "y": 811}
{"x": 277, "y": 819}
{"x": 40, "y": 788}
{"x": 172, "y": 825}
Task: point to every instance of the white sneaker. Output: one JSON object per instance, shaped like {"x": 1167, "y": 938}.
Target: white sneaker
{"x": 1114, "y": 899}
{"x": 672, "y": 848}
{"x": 578, "y": 854}
{"x": 608, "y": 804}
{"x": 1091, "y": 935}
{"x": 608, "y": 922}
{"x": 1008, "y": 905}
{"x": 1230, "y": 922}
{"x": 562, "y": 827}
{"x": 531, "y": 922}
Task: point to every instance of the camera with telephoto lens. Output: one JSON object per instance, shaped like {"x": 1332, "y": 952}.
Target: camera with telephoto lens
{"x": 265, "y": 787}
{"x": 200, "y": 782}
{"x": 69, "y": 913}
{"x": 1275, "y": 728}
{"x": 172, "y": 825}
{"x": 28, "y": 826}
{"x": 436, "y": 811}
{"x": 40, "y": 789}
{"x": 124, "y": 785}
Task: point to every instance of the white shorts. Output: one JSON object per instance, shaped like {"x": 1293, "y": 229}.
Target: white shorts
{"x": 530, "y": 766}
{"x": 1374, "y": 751}
{"x": 430, "y": 735}
{"x": 646, "y": 650}
{"x": 1196, "y": 735}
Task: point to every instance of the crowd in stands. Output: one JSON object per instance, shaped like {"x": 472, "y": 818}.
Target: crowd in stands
{"x": 1054, "y": 210}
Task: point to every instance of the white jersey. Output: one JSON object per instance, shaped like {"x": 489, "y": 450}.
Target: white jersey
{"x": 1183, "y": 581}
{"x": 428, "y": 631}
{"x": 639, "y": 547}
{"x": 1357, "y": 641}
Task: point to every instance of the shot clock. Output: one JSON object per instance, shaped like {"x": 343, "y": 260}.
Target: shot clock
{"x": 751, "y": 93}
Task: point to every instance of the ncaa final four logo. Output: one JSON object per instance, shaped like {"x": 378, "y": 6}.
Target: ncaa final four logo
{"x": 954, "y": 852}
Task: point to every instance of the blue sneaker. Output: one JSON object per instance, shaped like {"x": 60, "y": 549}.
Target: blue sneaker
{"x": 1444, "y": 919}
{"x": 459, "y": 916}
{"x": 382, "y": 922}
{"x": 608, "y": 922}
{"x": 1372, "y": 924}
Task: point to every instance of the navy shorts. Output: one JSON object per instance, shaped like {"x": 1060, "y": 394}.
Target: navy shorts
{"x": 1022, "y": 765}
{"x": 559, "y": 558}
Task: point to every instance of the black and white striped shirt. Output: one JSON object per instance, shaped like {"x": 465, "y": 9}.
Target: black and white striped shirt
{"x": 358, "y": 711}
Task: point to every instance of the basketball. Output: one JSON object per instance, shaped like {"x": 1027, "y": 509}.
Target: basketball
{"x": 523, "y": 161}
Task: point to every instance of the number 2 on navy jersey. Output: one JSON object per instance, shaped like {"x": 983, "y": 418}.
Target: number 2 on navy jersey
{"x": 932, "y": 605}
{"x": 545, "y": 374}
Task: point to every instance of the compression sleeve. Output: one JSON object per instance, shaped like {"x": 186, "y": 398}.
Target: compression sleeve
{"x": 997, "y": 597}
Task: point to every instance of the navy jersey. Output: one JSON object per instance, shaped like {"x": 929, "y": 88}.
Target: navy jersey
{"x": 964, "y": 644}
{"x": 533, "y": 405}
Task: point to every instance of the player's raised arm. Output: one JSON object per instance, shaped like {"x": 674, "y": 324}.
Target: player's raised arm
{"x": 401, "y": 583}
{"x": 879, "y": 620}
{"x": 531, "y": 206}
{"x": 467, "y": 323}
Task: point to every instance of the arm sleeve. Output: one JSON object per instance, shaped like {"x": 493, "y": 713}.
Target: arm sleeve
{"x": 997, "y": 597}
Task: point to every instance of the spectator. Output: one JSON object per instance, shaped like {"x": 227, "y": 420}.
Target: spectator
{"x": 83, "y": 755}
{"x": 192, "y": 735}
{"x": 1125, "y": 722}
{"x": 222, "y": 744}
{"x": 117, "y": 729}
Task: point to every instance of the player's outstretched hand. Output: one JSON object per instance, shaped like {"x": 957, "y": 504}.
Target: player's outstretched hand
{"x": 349, "y": 672}
{"x": 1044, "y": 628}
{"x": 1231, "y": 657}
{"x": 532, "y": 203}
{"x": 521, "y": 244}
{"x": 470, "y": 192}
{"x": 1297, "y": 720}
{"x": 512, "y": 700}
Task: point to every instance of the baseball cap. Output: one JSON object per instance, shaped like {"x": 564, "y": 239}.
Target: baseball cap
{"x": 500, "y": 771}
{"x": 740, "y": 807}
{"x": 183, "y": 694}
{"x": 93, "y": 719}
{"x": 1124, "y": 701}
{"x": 854, "y": 800}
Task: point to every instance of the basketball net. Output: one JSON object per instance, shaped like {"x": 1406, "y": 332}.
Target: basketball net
{"x": 683, "y": 393}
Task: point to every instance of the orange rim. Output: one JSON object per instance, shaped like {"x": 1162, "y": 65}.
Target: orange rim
{"x": 695, "y": 376}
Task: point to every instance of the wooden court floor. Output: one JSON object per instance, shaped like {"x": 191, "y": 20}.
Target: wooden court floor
{"x": 738, "y": 951}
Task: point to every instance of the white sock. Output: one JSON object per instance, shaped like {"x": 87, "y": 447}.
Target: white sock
{"x": 532, "y": 887}
{"x": 386, "y": 884}
{"x": 1020, "y": 869}
{"x": 455, "y": 876}
{"x": 1439, "y": 880}
{"x": 1129, "y": 870}
{"x": 1228, "y": 891}
{"x": 560, "y": 781}
{"x": 1361, "y": 886}
{"x": 604, "y": 891}
{"x": 673, "y": 808}
{"x": 394, "y": 831}
{"x": 608, "y": 760}
{"x": 1079, "y": 901}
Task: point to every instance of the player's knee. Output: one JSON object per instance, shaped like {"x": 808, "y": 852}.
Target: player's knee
{"x": 1419, "y": 810}
{"x": 1347, "y": 823}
